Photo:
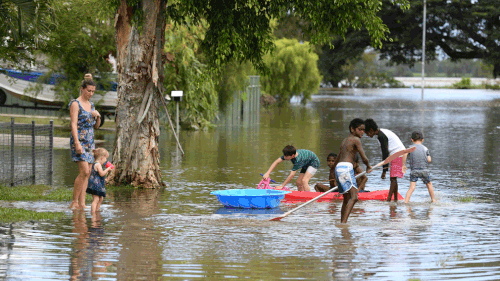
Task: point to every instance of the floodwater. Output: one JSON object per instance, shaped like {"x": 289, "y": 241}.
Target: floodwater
{"x": 183, "y": 233}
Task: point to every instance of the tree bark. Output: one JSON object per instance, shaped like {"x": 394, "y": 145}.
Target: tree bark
{"x": 140, "y": 76}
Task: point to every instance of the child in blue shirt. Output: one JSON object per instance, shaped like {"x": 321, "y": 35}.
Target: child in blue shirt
{"x": 302, "y": 159}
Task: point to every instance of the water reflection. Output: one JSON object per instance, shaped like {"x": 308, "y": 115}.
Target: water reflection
{"x": 87, "y": 248}
{"x": 344, "y": 254}
{"x": 139, "y": 256}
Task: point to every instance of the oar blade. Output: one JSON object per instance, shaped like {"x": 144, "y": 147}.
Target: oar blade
{"x": 277, "y": 218}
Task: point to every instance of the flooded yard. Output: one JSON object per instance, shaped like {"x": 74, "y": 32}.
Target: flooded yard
{"x": 183, "y": 233}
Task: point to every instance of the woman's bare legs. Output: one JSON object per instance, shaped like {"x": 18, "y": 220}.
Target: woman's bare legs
{"x": 80, "y": 186}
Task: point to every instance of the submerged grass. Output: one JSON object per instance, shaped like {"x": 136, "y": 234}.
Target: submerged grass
{"x": 465, "y": 199}
{"x": 9, "y": 215}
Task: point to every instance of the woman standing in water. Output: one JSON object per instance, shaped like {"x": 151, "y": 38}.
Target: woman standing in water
{"x": 84, "y": 119}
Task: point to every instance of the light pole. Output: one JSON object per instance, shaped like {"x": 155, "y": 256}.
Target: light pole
{"x": 423, "y": 50}
{"x": 177, "y": 96}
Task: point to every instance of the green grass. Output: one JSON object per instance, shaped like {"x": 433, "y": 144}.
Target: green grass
{"x": 40, "y": 193}
{"x": 9, "y": 215}
{"x": 47, "y": 193}
{"x": 36, "y": 193}
{"x": 465, "y": 199}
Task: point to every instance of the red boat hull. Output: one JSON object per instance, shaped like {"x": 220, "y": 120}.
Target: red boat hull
{"x": 303, "y": 196}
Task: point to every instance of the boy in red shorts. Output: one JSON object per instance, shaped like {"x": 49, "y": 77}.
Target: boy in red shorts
{"x": 390, "y": 144}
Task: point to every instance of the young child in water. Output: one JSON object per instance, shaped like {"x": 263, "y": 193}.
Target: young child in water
{"x": 419, "y": 160}
{"x": 330, "y": 159}
{"x": 97, "y": 184}
{"x": 361, "y": 181}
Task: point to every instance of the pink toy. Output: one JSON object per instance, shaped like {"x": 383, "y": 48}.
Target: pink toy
{"x": 264, "y": 184}
{"x": 108, "y": 164}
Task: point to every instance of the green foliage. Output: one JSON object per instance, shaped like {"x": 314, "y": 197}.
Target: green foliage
{"x": 292, "y": 71}
{"x": 241, "y": 30}
{"x": 461, "y": 29}
{"x": 80, "y": 43}
{"x": 24, "y": 25}
{"x": 465, "y": 83}
{"x": 186, "y": 71}
{"x": 347, "y": 49}
{"x": 233, "y": 77}
{"x": 9, "y": 215}
{"x": 367, "y": 73}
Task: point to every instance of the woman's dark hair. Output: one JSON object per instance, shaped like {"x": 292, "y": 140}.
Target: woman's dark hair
{"x": 87, "y": 81}
{"x": 332, "y": 154}
{"x": 289, "y": 150}
{"x": 370, "y": 125}
{"x": 356, "y": 122}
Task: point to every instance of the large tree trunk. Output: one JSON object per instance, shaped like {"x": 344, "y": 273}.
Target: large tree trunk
{"x": 140, "y": 76}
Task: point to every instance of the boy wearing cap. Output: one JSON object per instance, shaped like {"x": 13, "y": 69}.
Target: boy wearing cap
{"x": 419, "y": 160}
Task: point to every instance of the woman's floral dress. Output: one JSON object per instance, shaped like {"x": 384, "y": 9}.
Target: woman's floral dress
{"x": 85, "y": 128}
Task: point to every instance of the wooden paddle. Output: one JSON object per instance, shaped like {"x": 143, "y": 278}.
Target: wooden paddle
{"x": 386, "y": 161}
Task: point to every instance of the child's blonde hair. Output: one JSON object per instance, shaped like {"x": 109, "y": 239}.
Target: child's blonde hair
{"x": 99, "y": 152}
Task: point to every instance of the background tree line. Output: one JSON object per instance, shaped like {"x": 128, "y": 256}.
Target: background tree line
{"x": 55, "y": 29}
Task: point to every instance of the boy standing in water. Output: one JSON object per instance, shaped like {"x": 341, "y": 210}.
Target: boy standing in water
{"x": 343, "y": 166}
{"x": 302, "y": 159}
{"x": 419, "y": 160}
{"x": 390, "y": 144}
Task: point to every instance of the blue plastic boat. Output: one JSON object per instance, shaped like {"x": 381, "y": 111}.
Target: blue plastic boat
{"x": 250, "y": 198}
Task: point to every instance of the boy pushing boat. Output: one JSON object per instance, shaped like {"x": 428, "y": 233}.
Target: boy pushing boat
{"x": 343, "y": 166}
{"x": 302, "y": 159}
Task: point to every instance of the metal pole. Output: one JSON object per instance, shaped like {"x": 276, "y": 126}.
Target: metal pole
{"x": 33, "y": 152}
{"x": 12, "y": 151}
{"x": 177, "y": 118}
{"x": 423, "y": 48}
{"x": 51, "y": 151}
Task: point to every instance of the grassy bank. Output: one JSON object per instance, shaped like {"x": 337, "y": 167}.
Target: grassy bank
{"x": 32, "y": 193}
{"x": 9, "y": 215}
{"x": 35, "y": 193}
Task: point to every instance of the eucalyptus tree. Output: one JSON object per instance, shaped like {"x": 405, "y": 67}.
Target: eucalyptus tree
{"x": 237, "y": 30}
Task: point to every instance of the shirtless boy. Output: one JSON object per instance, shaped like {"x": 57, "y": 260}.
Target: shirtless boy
{"x": 361, "y": 181}
{"x": 343, "y": 166}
